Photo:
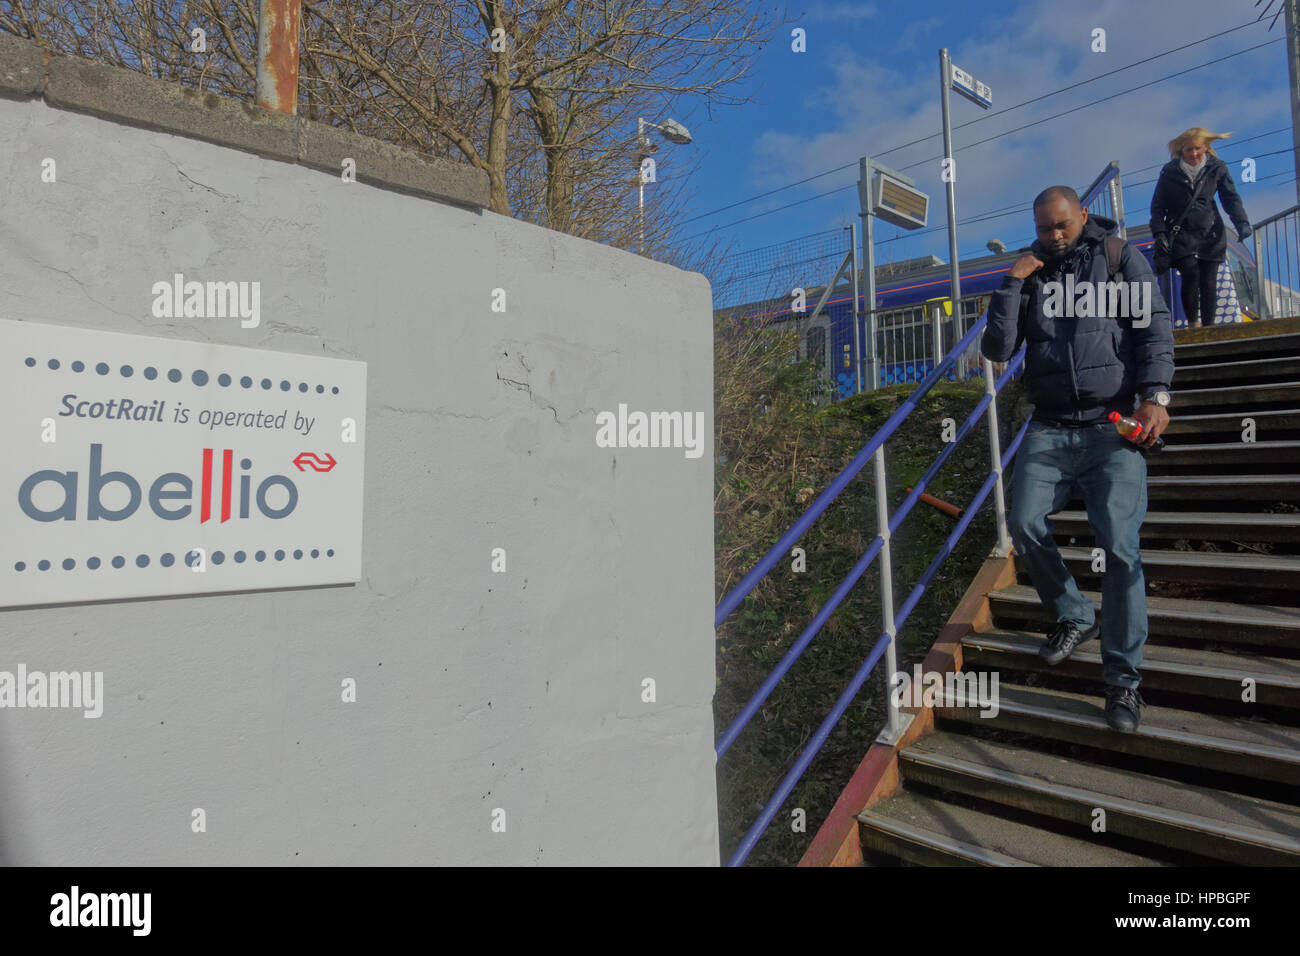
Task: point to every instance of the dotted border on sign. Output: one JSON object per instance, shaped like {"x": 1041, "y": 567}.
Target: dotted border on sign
{"x": 198, "y": 377}
{"x": 167, "y": 559}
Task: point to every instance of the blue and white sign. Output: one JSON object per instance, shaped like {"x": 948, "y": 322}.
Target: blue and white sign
{"x": 978, "y": 93}
{"x": 136, "y": 466}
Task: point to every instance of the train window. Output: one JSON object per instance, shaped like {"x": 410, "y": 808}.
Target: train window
{"x": 816, "y": 345}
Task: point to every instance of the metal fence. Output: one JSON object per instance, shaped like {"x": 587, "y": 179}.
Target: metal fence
{"x": 772, "y": 272}
{"x": 908, "y": 338}
{"x": 1277, "y": 264}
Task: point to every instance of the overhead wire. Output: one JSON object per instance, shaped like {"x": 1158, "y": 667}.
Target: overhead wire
{"x": 978, "y": 119}
{"x": 979, "y": 142}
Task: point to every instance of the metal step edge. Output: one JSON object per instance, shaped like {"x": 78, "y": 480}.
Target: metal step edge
{"x": 1252, "y": 836}
{"x": 1211, "y": 345}
{"x": 1187, "y": 613}
{"x": 1194, "y": 480}
{"x": 1234, "y": 416}
{"x": 1280, "y": 445}
{"x": 1216, "y": 518}
{"x": 981, "y": 641}
{"x": 1239, "y": 363}
{"x": 938, "y": 841}
{"x": 1163, "y": 557}
{"x": 1236, "y": 388}
{"x": 1284, "y": 755}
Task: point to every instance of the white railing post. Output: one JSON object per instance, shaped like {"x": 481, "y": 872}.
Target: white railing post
{"x": 1261, "y": 303}
{"x": 1117, "y": 205}
{"x": 938, "y": 334}
{"x": 898, "y": 721}
{"x": 1003, "y": 547}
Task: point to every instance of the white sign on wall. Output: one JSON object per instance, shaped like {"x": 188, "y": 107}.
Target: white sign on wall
{"x": 135, "y": 466}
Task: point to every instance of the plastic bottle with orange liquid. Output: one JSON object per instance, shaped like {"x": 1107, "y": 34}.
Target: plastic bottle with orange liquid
{"x": 1130, "y": 426}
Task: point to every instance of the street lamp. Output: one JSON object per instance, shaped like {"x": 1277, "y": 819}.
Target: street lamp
{"x": 672, "y": 131}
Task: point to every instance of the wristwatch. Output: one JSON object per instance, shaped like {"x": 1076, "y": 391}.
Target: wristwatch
{"x": 1160, "y": 397}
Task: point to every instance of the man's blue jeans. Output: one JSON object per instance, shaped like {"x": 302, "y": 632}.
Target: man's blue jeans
{"x": 1112, "y": 474}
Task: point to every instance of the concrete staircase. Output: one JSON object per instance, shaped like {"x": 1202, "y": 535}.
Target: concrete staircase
{"x": 1207, "y": 778}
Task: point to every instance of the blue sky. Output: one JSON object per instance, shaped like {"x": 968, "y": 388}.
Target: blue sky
{"x": 870, "y": 81}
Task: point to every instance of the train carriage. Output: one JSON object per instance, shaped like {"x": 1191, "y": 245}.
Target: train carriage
{"x": 905, "y": 320}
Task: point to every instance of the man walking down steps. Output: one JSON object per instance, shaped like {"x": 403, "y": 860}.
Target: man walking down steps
{"x": 1080, "y": 366}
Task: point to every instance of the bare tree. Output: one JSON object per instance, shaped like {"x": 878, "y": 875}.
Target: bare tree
{"x": 543, "y": 96}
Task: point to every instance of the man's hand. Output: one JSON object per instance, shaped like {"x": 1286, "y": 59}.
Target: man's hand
{"x": 1155, "y": 419}
{"x": 1026, "y": 266}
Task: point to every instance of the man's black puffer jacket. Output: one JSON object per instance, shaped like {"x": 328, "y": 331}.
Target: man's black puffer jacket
{"x": 1201, "y": 234}
{"x": 1077, "y": 370}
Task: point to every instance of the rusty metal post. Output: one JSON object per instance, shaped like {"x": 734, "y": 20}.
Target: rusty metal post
{"x": 277, "y": 55}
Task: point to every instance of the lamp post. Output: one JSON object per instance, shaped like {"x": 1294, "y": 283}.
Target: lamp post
{"x": 672, "y": 131}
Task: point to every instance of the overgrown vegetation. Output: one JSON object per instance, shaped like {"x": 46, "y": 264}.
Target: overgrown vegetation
{"x": 775, "y": 451}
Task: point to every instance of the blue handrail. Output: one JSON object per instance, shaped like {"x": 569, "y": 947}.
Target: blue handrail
{"x": 859, "y": 678}
{"x": 805, "y": 638}
{"x": 822, "y": 501}
{"x": 1100, "y": 183}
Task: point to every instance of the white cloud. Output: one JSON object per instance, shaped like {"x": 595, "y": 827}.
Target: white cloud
{"x": 914, "y": 31}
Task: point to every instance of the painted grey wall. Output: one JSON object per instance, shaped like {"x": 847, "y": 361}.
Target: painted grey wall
{"x": 475, "y": 690}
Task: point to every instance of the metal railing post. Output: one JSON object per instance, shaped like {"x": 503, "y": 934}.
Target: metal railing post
{"x": 937, "y": 350}
{"x": 1117, "y": 204}
{"x": 868, "y": 265}
{"x": 898, "y": 721}
{"x": 995, "y": 451}
{"x": 1261, "y": 297}
{"x": 856, "y": 311}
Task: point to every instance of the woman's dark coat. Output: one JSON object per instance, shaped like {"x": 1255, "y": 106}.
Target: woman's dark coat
{"x": 1202, "y": 233}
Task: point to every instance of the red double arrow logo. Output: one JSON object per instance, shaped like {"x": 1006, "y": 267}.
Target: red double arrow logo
{"x": 317, "y": 463}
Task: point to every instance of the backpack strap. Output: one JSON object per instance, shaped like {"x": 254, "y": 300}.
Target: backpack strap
{"x": 1114, "y": 250}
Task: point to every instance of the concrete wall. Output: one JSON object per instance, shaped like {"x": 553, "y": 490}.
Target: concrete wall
{"x": 475, "y": 690}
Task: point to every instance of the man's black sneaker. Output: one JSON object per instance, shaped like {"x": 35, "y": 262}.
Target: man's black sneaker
{"x": 1123, "y": 708}
{"x": 1064, "y": 638}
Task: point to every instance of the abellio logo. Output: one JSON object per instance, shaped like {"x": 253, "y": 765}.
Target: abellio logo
{"x": 170, "y": 494}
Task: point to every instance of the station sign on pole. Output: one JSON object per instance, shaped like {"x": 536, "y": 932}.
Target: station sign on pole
{"x": 898, "y": 202}
{"x": 978, "y": 93}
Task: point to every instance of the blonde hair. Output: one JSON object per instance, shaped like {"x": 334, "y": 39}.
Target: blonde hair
{"x": 1195, "y": 136}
